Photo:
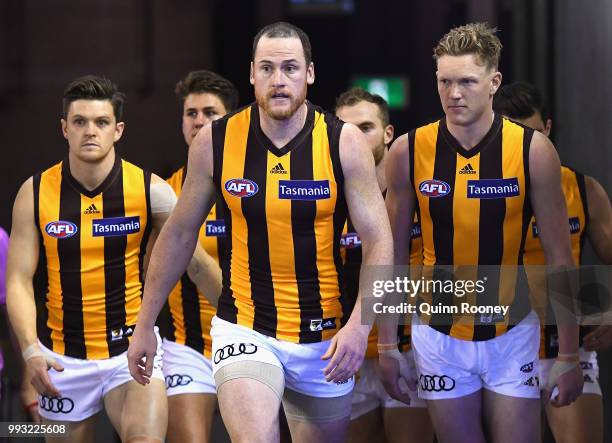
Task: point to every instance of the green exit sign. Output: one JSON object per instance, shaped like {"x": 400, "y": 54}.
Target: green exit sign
{"x": 393, "y": 89}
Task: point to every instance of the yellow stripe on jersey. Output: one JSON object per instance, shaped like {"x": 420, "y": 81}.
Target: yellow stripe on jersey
{"x": 285, "y": 213}
{"x": 282, "y": 261}
{"x": 573, "y": 186}
{"x": 191, "y": 313}
{"x": 48, "y": 203}
{"x": 473, "y": 211}
{"x": 94, "y": 245}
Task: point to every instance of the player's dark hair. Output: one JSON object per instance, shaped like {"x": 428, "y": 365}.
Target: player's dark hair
{"x": 520, "y": 100}
{"x": 197, "y": 82}
{"x": 357, "y": 94}
{"x": 284, "y": 30}
{"x": 92, "y": 87}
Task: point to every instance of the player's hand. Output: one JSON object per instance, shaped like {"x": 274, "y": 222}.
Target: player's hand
{"x": 391, "y": 369}
{"x": 568, "y": 379}
{"x": 141, "y": 353}
{"x": 37, "y": 368}
{"x": 345, "y": 353}
{"x": 29, "y": 398}
{"x": 598, "y": 339}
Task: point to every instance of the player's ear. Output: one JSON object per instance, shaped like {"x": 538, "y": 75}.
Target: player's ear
{"x": 310, "y": 74}
{"x": 496, "y": 81}
{"x": 388, "y": 134}
{"x": 119, "y": 127}
{"x": 548, "y": 127}
{"x": 251, "y": 74}
{"x": 64, "y": 124}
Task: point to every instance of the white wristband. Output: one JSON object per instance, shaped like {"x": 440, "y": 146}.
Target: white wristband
{"x": 32, "y": 351}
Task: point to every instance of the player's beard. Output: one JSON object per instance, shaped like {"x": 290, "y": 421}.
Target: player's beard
{"x": 282, "y": 114}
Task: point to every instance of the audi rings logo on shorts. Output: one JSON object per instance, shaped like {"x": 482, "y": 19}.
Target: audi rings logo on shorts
{"x": 234, "y": 350}
{"x": 436, "y": 383}
{"x": 586, "y": 365}
{"x": 57, "y": 405}
{"x": 175, "y": 380}
{"x": 528, "y": 367}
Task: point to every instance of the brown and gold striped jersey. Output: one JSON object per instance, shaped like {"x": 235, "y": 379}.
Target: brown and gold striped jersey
{"x": 284, "y": 210}
{"x": 94, "y": 244}
{"x": 474, "y": 210}
{"x": 574, "y": 190}
{"x": 351, "y": 256}
{"x": 190, "y": 311}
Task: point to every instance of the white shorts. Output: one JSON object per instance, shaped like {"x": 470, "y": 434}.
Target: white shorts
{"x": 301, "y": 363}
{"x": 186, "y": 371}
{"x": 450, "y": 368}
{"x": 369, "y": 392}
{"x": 83, "y": 384}
{"x": 590, "y": 371}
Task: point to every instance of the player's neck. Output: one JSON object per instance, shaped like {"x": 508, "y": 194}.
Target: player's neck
{"x": 91, "y": 175}
{"x": 470, "y": 135}
{"x": 281, "y": 132}
{"x": 380, "y": 172}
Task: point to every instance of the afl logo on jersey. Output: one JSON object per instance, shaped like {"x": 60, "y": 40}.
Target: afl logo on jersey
{"x": 61, "y": 229}
{"x": 241, "y": 187}
{"x": 434, "y": 188}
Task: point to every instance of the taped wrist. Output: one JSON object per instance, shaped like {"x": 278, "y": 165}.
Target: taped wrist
{"x": 32, "y": 351}
{"x": 558, "y": 369}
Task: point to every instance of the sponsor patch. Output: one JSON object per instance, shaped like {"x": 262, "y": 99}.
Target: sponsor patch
{"x": 527, "y": 368}
{"x": 121, "y": 333}
{"x": 303, "y": 189}
{"x": 434, "y": 188}
{"x": 321, "y": 324}
{"x": 574, "y": 227}
{"x": 115, "y": 226}
{"x": 350, "y": 240}
{"x": 61, "y": 229}
{"x": 493, "y": 188}
{"x": 215, "y": 228}
{"x": 241, "y": 187}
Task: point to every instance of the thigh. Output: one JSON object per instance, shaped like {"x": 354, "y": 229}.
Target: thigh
{"x": 407, "y": 424}
{"x": 581, "y": 421}
{"x": 139, "y": 411}
{"x": 79, "y": 432}
{"x": 313, "y": 418}
{"x": 249, "y": 409}
{"x": 458, "y": 420}
{"x": 365, "y": 393}
{"x": 190, "y": 417}
{"x": 510, "y": 419}
{"x": 367, "y": 428}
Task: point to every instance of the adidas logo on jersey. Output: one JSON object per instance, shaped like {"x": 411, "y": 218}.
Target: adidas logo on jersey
{"x": 467, "y": 169}
{"x": 278, "y": 169}
{"x": 91, "y": 210}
